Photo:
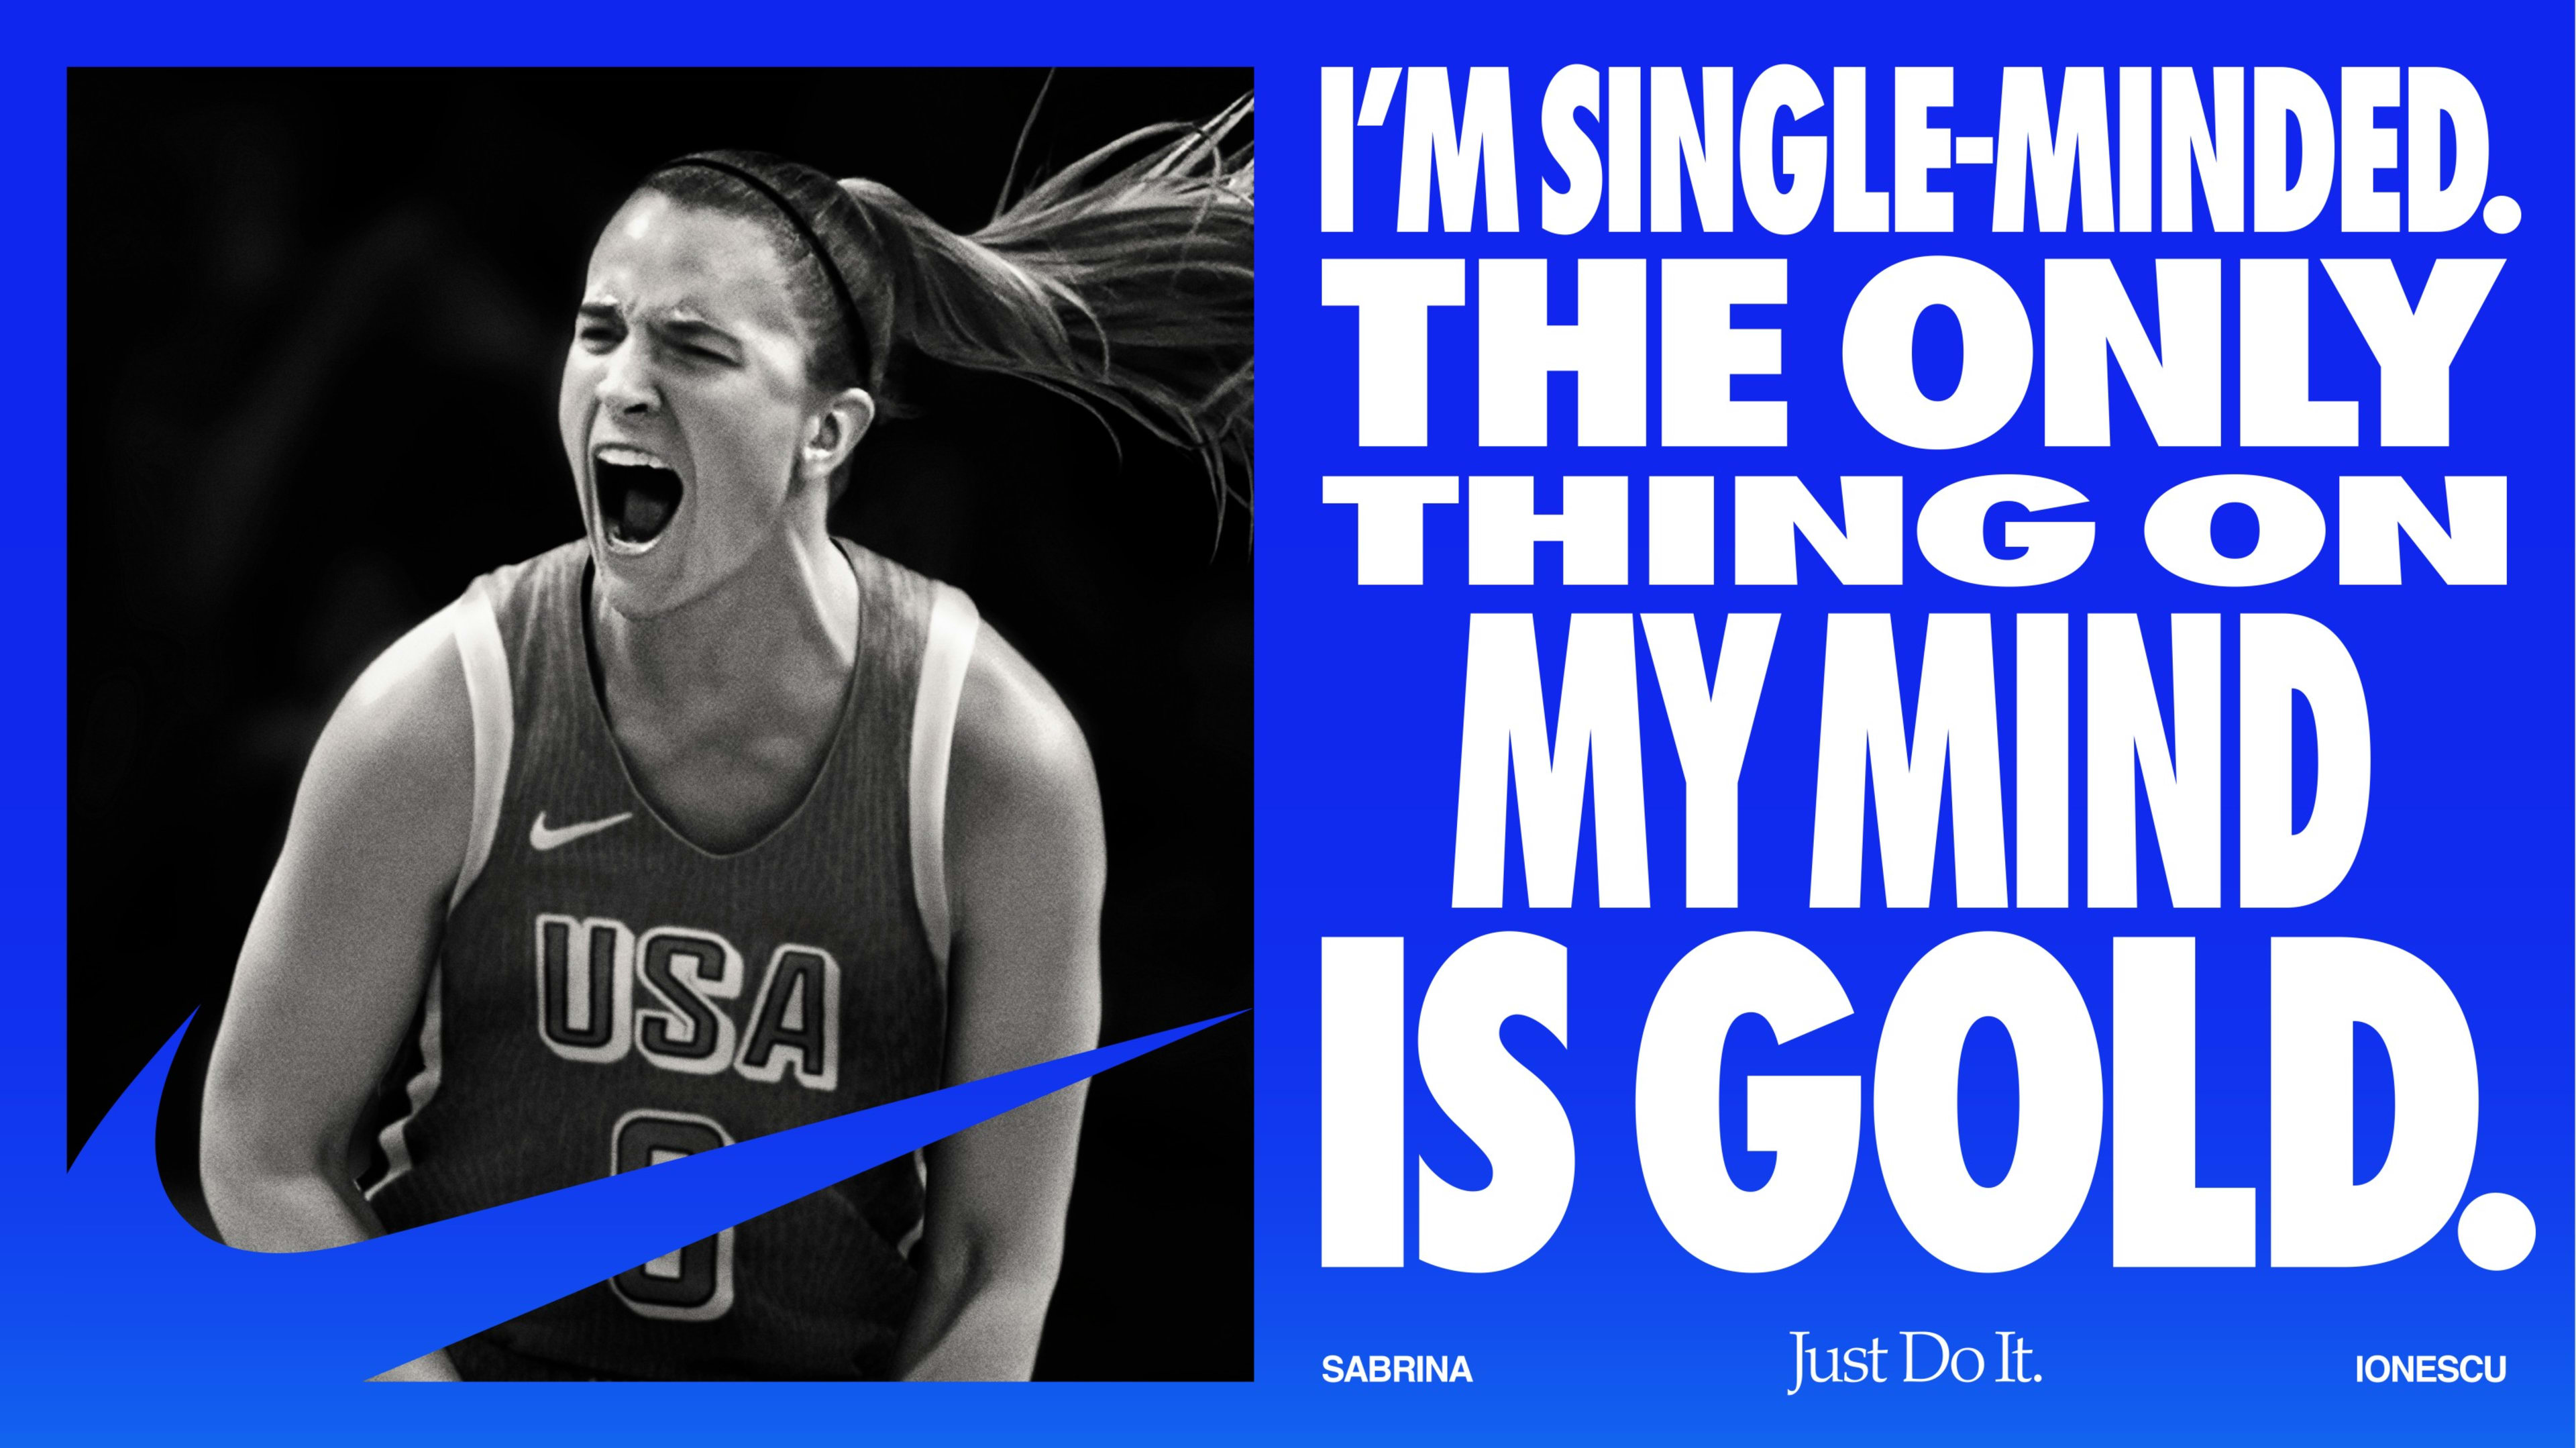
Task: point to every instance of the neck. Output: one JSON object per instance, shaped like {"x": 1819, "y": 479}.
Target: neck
{"x": 782, "y": 625}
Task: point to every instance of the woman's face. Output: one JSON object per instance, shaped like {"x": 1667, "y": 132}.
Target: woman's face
{"x": 686, "y": 407}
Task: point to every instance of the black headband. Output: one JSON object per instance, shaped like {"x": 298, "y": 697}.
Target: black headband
{"x": 813, "y": 242}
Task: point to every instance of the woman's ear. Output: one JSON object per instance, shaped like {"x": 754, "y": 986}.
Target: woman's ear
{"x": 836, "y": 431}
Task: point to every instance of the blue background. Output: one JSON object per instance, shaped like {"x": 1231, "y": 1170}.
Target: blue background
{"x": 2465, "y": 862}
{"x": 1611, "y": 1327}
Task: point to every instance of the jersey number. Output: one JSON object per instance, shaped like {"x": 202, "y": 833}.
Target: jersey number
{"x": 694, "y": 1284}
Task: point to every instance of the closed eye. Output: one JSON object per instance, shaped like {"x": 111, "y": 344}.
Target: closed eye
{"x": 598, "y": 326}
{"x": 697, "y": 341}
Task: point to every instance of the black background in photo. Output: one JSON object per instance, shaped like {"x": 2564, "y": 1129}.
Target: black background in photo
{"x": 317, "y": 324}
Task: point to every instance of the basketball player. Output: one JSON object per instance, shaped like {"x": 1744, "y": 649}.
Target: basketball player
{"x": 709, "y": 824}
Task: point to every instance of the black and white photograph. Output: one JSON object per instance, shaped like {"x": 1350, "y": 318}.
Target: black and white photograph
{"x": 617, "y": 612}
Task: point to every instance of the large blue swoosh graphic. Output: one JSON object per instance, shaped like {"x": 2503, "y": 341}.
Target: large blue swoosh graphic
{"x": 174, "y": 1307}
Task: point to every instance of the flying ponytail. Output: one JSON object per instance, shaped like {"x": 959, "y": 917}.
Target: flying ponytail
{"x": 1123, "y": 281}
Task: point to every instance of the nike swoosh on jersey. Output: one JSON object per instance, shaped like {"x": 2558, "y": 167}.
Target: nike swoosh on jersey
{"x": 539, "y": 837}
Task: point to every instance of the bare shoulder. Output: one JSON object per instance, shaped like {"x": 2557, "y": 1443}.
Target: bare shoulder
{"x": 395, "y": 765}
{"x": 1015, "y": 738}
{"x": 1023, "y": 801}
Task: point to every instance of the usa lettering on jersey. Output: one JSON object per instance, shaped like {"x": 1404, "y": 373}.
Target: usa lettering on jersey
{"x": 668, "y": 996}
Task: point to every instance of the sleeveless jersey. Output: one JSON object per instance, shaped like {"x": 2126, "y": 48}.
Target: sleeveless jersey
{"x": 609, "y": 995}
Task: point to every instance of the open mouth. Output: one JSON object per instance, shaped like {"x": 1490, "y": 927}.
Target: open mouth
{"x": 638, "y": 494}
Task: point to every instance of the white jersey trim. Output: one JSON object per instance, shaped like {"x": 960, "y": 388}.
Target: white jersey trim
{"x": 487, "y": 695}
{"x": 954, "y": 624}
{"x": 487, "y": 692}
{"x": 422, "y": 1086}
{"x": 912, "y": 1237}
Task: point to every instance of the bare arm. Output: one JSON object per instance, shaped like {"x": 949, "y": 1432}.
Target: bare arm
{"x": 1026, "y": 868}
{"x": 337, "y": 954}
